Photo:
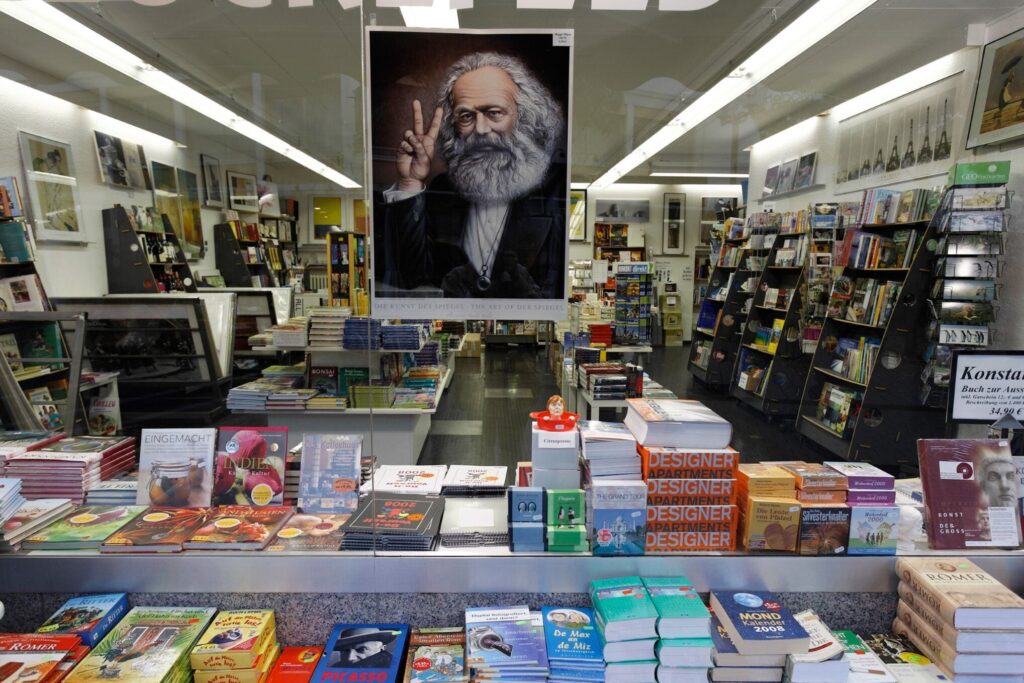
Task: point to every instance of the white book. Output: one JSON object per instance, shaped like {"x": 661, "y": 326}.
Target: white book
{"x": 425, "y": 479}
{"x": 176, "y": 467}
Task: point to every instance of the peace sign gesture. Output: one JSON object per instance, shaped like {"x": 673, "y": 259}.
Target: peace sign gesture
{"x": 416, "y": 151}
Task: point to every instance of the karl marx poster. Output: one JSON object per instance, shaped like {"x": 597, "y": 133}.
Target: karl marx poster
{"x": 469, "y": 169}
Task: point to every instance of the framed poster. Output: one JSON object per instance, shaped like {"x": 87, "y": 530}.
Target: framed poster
{"x": 713, "y": 208}
{"x": 243, "y": 194}
{"x": 191, "y": 216}
{"x": 673, "y": 223}
{"x": 326, "y": 217}
{"x": 985, "y": 385}
{"x": 998, "y": 111}
{"x": 213, "y": 192}
{"x": 52, "y": 189}
{"x": 577, "y": 215}
{"x": 805, "y": 171}
{"x": 166, "y": 199}
{"x": 122, "y": 163}
{"x": 472, "y": 197}
{"x": 623, "y": 210}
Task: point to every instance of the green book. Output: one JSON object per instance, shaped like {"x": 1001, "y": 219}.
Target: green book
{"x": 686, "y": 652}
{"x": 87, "y": 527}
{"x": 681, "y": 612}
{"x": 624, "y": 609}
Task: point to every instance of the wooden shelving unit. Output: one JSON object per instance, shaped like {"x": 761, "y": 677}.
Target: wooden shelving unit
{"x": 141, "y": 259}
{"x": 347, "y": 265}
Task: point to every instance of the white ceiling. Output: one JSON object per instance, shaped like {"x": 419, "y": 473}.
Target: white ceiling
{"x": 298, "y": 70}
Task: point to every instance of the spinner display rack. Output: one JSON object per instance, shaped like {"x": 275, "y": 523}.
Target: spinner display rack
{"x": 879, "y": 419}
{"x": 131, "y": 268}
{"x": 775, "y": 389}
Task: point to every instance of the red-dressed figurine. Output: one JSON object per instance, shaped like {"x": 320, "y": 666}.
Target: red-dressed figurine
{"x": 555, "y": 418}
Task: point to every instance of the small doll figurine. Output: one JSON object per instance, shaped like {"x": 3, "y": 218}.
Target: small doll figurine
{"x": 555, "y": 418}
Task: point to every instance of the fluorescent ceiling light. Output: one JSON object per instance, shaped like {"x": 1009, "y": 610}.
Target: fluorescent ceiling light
{"x": 43, "y": 17}
{"x": 943, "y": 67}
{"x": 578, "y": 186}
{"x": 824, "y": 17}
{"x": 674, "y": 174}
{"x": 436, "y": 14}
{"x": 545, "y": 4}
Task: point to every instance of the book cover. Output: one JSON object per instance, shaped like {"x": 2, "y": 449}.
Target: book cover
{"x": 865, "y": 666}
{"x": 412, "y": 479}
{"x": 250, "y": 466}
{"x": 902, "y": 659}
{"x": 672, "y": 463}
{"x": 436, "y": 655}
{"x": 824, "y": 497}
{"x": 571, "y": 637}
{"x": 329, "y": 477}
{"x": 383, "y": 513}
{"x": 619, "y": 512}
{"x": 104, "y": 416}
{"x": 158, "y": 530}
{"x": 948, "y": 586}
{"x": 89, "y": 617}
{"x": 621, "y": 599}
{"x": 28, "y": 657}
{"x": 239, "y": 526}
{"x": 874, "y": 530}
{"x": 502, "y": 637}
{"x": 176, "y": 467}
{"x": 146, "y": 646}
{"x": 326, "y": 380}
{"x": 771, "y": 524}
{"x": 823, "y": 646}
{"x": 691, "y": 491}
{"x": 971, "y": 489}
{"x": 310, "y": 533}
{"x": 757, "y": 623}
{"x": 9, "y": 348}
{"x": 674, "y": 410}
{"x": 42, "y": 405}
{"x": 824, "y": 530}
{"x": 692, "y": 527}
{"x": 33, "y": 513}
{"x": 674, "y": 597}
{"x": 88, "y": 527}
{"x": 296, "y": 664}
{"x": 765, "y": 479}
{"x": 255, "y": 674}
{"x": 234, "y": 640}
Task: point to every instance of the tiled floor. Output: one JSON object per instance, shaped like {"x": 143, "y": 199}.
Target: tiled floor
{"x": 483, "y": 416}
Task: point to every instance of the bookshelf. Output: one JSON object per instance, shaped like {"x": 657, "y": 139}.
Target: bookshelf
{"x": 242, "y": 257}
{"x": 144, "y": 255}
{"x": 860, "y": 400}
{"x": 346, "y": 271}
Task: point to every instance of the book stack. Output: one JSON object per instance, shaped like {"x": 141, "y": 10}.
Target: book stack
{"x": 371, "y": 395}
{"x": 15, "y": 443}
{"x": 292, "y": 474}
{"x": 69, "y": 467}
{"x": 87, "y": 528}
{"x": 29, "y": 518}
{"x": 402, "y": 337}
{"x": 566, "y": 529}
{"x": 555, "y": 458}
{"x": 961, "y": 618}
{"x": 327, "y": 326}
{"x": 609, "y": 451}
{"x": 691, "y": 499}
{"x": 291, "y": 334}
{"x": 127, "y": 652}
{"x": 120, "y": 491}
{"x": 37, "y": 657}
{"x": 627, "y": 624}
{"x": 684, "y": 630}
{"x": 745, "y": 643}
{"x": 253, "y": 395}
{"x": 506, "y": 643}
{"x": 10, "y": 499}
{"x": 474, "y": 480}
{"x": 769, "y": 510}
{"x": 573, "y": 645}
{"x": 410, "y": 398}
{"x": 600, "y": 334}
{"x": 394, "y": 521}
{"x": 824, "y": 661}
{"x": 824, "y": 519}
{"x": 295, "y": 372}
{"x": 289, "y": 398}
{"x": 526, "y": 518}
{"x": 874, "y": 515}
{"x": 616, "y": 516}
{"x": 239, "y": 645}
{"x": 422, "y": 377}
{"x": 361, "y": 333}
{"x": 474, "y": 522}
{"x": 436, "y": 655}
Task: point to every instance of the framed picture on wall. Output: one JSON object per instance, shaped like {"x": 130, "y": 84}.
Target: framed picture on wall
{"x": 623, "y": 210}
{"x": 577, "y": 215}
{"x": 213, "y": 192}
{"x": 998, "y": 111}
{"x": 326, "y": 215}
{"x": 191, "y": 217}
{"x": 166, "y": 197}
{"x": 52, "y": 189}
{"x": 242, "y": 192}
{"x": 673, "y": 223}
{"x": 805, "y": 171}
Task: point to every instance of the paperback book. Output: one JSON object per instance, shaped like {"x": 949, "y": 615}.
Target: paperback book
{"x": 675, "y": 422}
{"x": 329, "y": 479}
{"x": 572, "y": 639}
{"x": 903, "y": 661}
{"x": 90, "y": 617}
{"x": 250, "y": 466}
{"x": 502, "y": 639}
{"x": 296, "y": 664}
{"x": 159, "y": 530}
{"x": 239, "y": 527}
{"x": 436, "y": 655}
{"x": 88, "y": 527}
{"x": 310, "y": 533}
{"x": 33, "y": 656}
{"x": 874, "y": 530}
{"x": 623, "y": 608}
{"x": 681, "y": 612}
{"x": 757, "y": 623}
{"x": 176, "y": 467}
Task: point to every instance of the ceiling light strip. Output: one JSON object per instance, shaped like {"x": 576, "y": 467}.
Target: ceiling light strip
{"x": 681, "y": 174}
{"x": 51, "y": 21}
{"x": 819, "y": 21}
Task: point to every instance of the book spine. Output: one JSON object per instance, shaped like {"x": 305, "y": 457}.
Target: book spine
{"x": 855, "y": 497}
{"x": 660, "y": 542}
{"x": 924, "y": 591}
{"x": 910, "y": 610}
{"x": 927, "y": 641}
{"x": 675, "y": 472}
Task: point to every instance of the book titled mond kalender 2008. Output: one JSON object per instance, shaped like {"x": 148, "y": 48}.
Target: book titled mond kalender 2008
{"x": 89, "y": 617}
{"x": 757, "y": 623}
{"x": 363, "y": 652}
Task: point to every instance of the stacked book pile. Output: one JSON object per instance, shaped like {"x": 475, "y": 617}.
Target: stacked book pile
{"x": 420, "y": 399}
{"x": 15, "y": 443}
{"x": 825, "y": 660}
{"x": 432, "y": 352}
{"x": 475, "y": 480}
{"x": 310, "y": 533}
{"x": 586, "y": 354}
{"x": 769, "y": 511}
{"x": 566, "y": 521}
{"x": 555, "y": 458}
{"x": 393, "y": 521}
{"x": 10, "y": 499}
{"x": 371, "y": 395}
{"x": 120, "y": 491}
{"x": 69, "y": 467}
{"x": 327, "y": 326}
{"x": 526, "y": 519}
{"x": 961, "y": 618}
{"x": 291, "y": 334}
{"x": 422, "y": 377}
{"x": 627, "y": 624}
{"x": 253, "y": 395}
{"x": 159, "y": 530}
{"x": 573, "y": 645}
{"x": 239, "y": 645}
{"x": 402, "y": 337}
{"x": 289, "y": 398}
{"x": 600, "y": 334}
{"x": 609, "y": 451}
{"x": 29, "y": 518}
{"x": 321, "y": 402}
{"x": 474, "y": 522}
{"x": 506, "y": 643}
{"x": 603, "y": 377}
{"x": 361, "y": 333}
{"x": 684, "y": 642}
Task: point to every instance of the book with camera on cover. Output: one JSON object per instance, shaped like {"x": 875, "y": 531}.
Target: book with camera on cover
{"x": 757, "y": 623}
{"x": 371, "y": 652}
{"x": 971, "y": 489}
{"x": 159, "y": 530}
{"x": 962, "y": 593}
{"x": 89, "y": 617}
{"x": 503, "y": 638}
{"x": 436, "y": 655}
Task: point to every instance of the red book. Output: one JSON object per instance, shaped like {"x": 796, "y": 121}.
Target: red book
{"x": 296, "y": 664}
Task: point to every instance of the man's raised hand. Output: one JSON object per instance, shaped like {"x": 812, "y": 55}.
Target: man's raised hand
{"x": 416, "y": 151}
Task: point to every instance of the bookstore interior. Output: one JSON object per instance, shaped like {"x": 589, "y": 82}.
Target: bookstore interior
{"x": 705, "y": 363}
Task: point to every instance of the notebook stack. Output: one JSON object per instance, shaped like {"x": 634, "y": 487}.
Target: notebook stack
{"x": 120, "y": 491}
{"x": 392, "y": 521}
{"x": 526, "y": 519}
{"x": 402, "y": 337}
{"x": 371, "y": 395}
{"x": 506, "y": 643}
{"x": 566, "y": 521}
{"x": 29, "y": 518}
{"x": 327, "y": 326}
{"x": 361, "y": 333}
{"x": 11, "y": 499}
{"x": 627, "y": 624}
{"x": 743, "y": 649}
{"x": 69, "y": 467}
{"x": 573, "y": 645}
{"x": 475, "y": 480}
{"x": 961, "y": 618}
{"x": 684, "y": 630}
{"x": 239, "y": 645}
{"x": 474, "y": 522}
{"x": 609, "y": 451}
{"x": 555, "y": 458}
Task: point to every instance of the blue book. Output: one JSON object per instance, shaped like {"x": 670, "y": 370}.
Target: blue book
{"x": 758, "y": 624}
{"x": 329, "y": 481}
{"x": 571, "y": 637}
{"x": 89, "y": 617}
{"x": 363, "y": 652}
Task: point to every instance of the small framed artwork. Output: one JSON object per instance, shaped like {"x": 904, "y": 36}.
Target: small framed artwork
{"x": 998, "y": 111}
{"x": 243, "y": 193}
{"x": 326, "y": 217}
{"x": 805, "y": 171}
{"x": 787, "y": 176}
{"x": 672, "y": 231}
{"x": 52, "y": 189}
{"x": 577, "y": 215}
{"x": 213, "y": 191}
{"x": 166, "y": 198}
{"x": 771, "y": 179}
{"x": 623, "y": 210}
{"x": 715, "y": 209}
{"x": 122, "y": 163}
{"x": 191, "y": 217}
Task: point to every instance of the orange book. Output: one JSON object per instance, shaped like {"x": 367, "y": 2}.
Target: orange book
{"x": 822, "y": 497}
{"x": 771, "y": 524}
{"x": 764, "y": 479}
{"x": 691, "y": 492}
{"x": 673, "y": 463}
{"x": 810, "y": 475}
{"x": 686, "y": 528}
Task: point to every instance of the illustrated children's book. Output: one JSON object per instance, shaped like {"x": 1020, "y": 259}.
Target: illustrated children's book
{"x": 89, "y": 617}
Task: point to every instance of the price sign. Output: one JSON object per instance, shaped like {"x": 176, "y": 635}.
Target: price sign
{"x": 985, "y": 385}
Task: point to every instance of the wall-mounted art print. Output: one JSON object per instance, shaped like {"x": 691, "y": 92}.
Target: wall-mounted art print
{"x": 213, "y": 188}
{"x": 577, "y": 215}
{"x": 191, "y": 215}
{"x": 52, "y": 189}
{"x": 805, "y": 171}
{"x": 326, "y": 217}
{"x": 270, "y": 198}
{"x": 998, "y": 111}
{"x": 122, "y": 163}
{"x": 717, "y": 209}
{"x": 243, "y": 192}
{"x": 166, "y": 197}
{"x": 787, "y": 176}
{"x": 623, "y": 210}
{"x": 771, "y": 180}
{"x": 673, "y": 223}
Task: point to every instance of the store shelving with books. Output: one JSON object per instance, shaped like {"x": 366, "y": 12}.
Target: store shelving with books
{"x": 144, "y": 255}
{"x": 242, "y": 257}
{"x": 860, "y": 398}
{"x": 510, "y": 332}
{"x": 347, "y": 266}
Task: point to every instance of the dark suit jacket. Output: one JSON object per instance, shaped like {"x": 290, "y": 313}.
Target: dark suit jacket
{"x": 422, "y": 240}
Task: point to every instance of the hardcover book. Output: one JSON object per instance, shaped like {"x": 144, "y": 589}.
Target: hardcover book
{"x": 824, "y": 530}
{"x": 618, "y": 517}
{"x": 911, "y": 608}
{"x": 771, "y": 524}
{"x": 814, "y": 476}
{"x": 971, "y": 489}
{"x": 147, "y": 646}
{"x": 239, "y": 527}
{"x": 762, "y": 479}
{"x": 296, "y": 664}
{"x": 88, "y": 527}
{"x": 623, "y": 608}
{"x": 673, "y": 422}
{"x": 874, "y": 530}
{"x": 159, "y": 530}
{"x": 89, "y": 617}
{"x": 962, "y": 593}
{"x": 33, "y": 656}
{"x": 673, "y": 529}
{"x": 674, "y": 463}
{"x": 571, "y": 637}
{"x": 681, "y": 612}
{"x": 691, "y": 491}
{"x": 250, "y": 466}
{"x": 436, "y": 655}
{"x": 525, "y": 504}
{"x": 234, "y": 640}
{"x": 310, "y": 533}
{"x": 757, "y": 623}
{"x": 724, "y": 652}
{"x": 176, "y": 467}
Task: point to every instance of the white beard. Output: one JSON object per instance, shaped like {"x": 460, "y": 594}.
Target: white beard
{"x": 495, "y": 168}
